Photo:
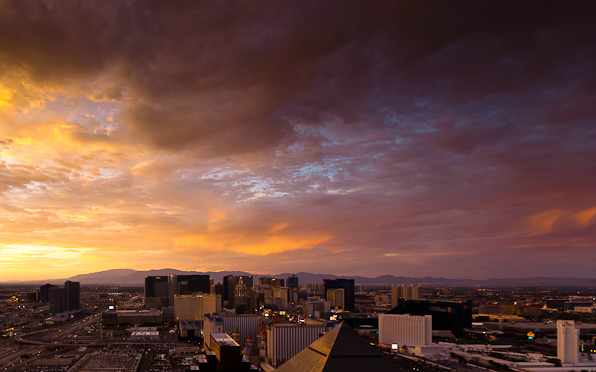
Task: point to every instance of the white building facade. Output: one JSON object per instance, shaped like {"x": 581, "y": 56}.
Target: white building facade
{"x": 567, "y": 342}
{"x": 404, "y": 329}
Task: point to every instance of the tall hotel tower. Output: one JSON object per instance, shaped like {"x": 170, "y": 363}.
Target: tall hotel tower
{"x": 567, "y": 341}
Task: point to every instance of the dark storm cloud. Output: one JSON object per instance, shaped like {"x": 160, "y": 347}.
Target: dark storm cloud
{"x": 236, "y": 76}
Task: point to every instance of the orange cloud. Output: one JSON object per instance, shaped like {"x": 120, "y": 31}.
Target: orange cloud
{"x": 5, "y": 96}
{"x": 542, "y": 223}
{"x": 585, "y": 217}
{"x": 258, "y": 245}
{"x": 547, "y": 222}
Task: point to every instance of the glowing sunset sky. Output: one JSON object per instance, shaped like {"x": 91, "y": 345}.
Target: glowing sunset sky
{"x": 410, "y": 138}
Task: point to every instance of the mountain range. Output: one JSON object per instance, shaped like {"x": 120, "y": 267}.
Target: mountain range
{"x": 136, "y": 278}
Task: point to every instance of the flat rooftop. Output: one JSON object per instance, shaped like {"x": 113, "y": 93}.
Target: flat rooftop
{"x": 223, "y": 339}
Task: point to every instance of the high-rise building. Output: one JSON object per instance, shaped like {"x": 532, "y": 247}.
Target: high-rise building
{"x": 240, "y": 293}
{"x": 73, "y": 295}
{"x": 189, "y": 284}
{"x": 194, "y": 307}
{"x": 277, "y": 282}
{"x": 265, "y": 282}
{"x": 292, "y": 282}
{"x": 172, "y": 288}
{"x": 230, "y": 283}
{"x": 315, "y": 309}
{"x": 567, "y": 341}
{"x": 404, "y": 329}
{"x": 55, "y": 298}
{"x": 404, "y": 291}
{"x": 278, "y": 296}
{"x": 65, "y": 299}
{"x": 336, "y": 298}
{"x": 316, "y": 288}
{"x": 157, "y": 292}
{"x": 348, "y": 287}
{"x": 43, "y": 295}
{"x": 161, "y": 290}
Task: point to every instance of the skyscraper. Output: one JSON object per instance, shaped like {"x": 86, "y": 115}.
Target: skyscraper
{"x": 240, "y": 293}
{"x": 230, "y": 283}
{"x": 160, "y": 290}
{"x": 44, "y": 292}
{"x": 65, "y": 299}
{"x": 292, "y": 282}
{"x": 73, "y": 295}
{"x": 348, "y": 287}
{"x": 404, "y": 291}
{"x": 336, "y": 298}
{"x": 156, "y": 292}
{"x": 567, "y": 341}
{"x": 55, "y": 298}
{"x": 188, "y": 284}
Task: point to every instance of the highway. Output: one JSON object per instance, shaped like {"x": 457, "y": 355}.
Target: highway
{"x": 24, "y": 350}
{"x": 62, "y": 334}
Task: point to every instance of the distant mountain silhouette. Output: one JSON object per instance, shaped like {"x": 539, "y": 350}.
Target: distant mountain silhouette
{"x": 137, "y": 278}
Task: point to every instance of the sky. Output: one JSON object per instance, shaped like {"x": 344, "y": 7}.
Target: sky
{"x": 415, "y": 138}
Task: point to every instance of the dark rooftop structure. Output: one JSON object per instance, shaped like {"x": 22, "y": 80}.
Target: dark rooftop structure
{"x": 447, "y": 315}
{"x": 340, "y": 350}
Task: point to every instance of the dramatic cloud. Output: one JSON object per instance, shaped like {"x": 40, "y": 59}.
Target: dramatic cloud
{"x": 409, "y": 138}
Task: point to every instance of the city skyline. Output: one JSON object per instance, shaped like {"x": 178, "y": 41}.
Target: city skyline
{"x": 453, "y": 139}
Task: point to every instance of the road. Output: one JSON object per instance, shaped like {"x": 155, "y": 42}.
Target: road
{"x": 25, "y": 349}
{"x": 59, "y": 334}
